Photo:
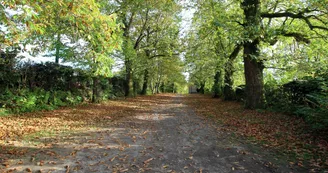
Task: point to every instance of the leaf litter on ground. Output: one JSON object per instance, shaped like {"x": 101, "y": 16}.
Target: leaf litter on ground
{"x": 275, "y": 131}
{"x": 271, "y": 130}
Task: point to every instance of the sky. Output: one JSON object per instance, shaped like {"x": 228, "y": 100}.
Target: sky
{"x": 186, "y": 16}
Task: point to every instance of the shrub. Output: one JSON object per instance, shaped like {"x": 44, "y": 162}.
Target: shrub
{"x": 240, "y": 93}
{"x": 307, "y": 98}
{"x": 31, "y": 87}
{"x": 317, "y": 114}
{"x": 277, "y": 99}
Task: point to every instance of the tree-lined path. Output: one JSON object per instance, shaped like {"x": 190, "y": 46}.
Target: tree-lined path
{"x": 83, "y": 86}
{"x": 162, "y": 134}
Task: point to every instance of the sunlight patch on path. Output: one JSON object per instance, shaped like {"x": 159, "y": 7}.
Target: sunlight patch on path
{"x": 155, "y": 116}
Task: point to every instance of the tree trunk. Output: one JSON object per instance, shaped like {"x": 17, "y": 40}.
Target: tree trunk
{"x": 145, "y": 83}
{"x": 202, "y": 88}
{"x": 228, "y": 91}
{"x": 128, "y": 79}
{"x": 254, "y": 77}
{"x": 152, "y": 88}
{"x": 57, "y": 56}
{"x": 135, "y": 88}
{"x": 146, "y": 75}
{"x": 95, "y": 93}
{"x": 217, "y": 87}
{"x": 128, "y": 84}
{"x": 162, "y": 87}
{"x": 157, "y": 88}
{"x": 252, "y": 65}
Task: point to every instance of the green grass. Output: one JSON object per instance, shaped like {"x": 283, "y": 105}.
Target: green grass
{"x": 4, "y": 112}
{"x": 40, "y": 134}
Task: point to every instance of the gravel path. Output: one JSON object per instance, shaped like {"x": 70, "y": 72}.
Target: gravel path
{"x": 171, "y": 138}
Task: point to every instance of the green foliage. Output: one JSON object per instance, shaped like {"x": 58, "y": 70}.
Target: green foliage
{"x": 25, "y": 100}
{"x": 3, "y": 112}
{"x": 49, "y": 86}
{"x": 317, "y": 114}
{"x": 277, "y": 98}
{"x": 306, "y": 98}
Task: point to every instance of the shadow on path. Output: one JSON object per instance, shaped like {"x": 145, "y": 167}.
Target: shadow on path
{"x": 169, "y": 137}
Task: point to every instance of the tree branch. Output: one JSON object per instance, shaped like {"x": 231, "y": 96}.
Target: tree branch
{"x": 235, "y": 52}
{"x": 299, "y": 15}
{"x": 241, "y": 24}
{"x": 141, "y": 35}
{"x": 127, "y": 24}
{"x": 277, "y": 68}
{"x": 298, "y": 36}
{"x": 161, "y": 55}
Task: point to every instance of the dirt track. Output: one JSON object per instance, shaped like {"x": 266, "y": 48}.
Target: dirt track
{"x": 170, "y": 138}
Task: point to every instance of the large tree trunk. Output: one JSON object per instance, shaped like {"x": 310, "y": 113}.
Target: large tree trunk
{"x": 217, "y": 87}
{"x": 252, "y": 65}
{"x": 228, "y": 91}
{"x": 128, "y": 84}
{"x": 254, "y": 77}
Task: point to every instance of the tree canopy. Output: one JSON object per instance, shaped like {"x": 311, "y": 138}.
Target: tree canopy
{"x": 230, "y": 46}
{"x": 264, "y": 55}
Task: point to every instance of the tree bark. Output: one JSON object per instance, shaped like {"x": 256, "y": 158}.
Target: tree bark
{"x": 228, "y": 91}
{"x": 162, "y": 87}
{"x": 252, "y": 65}
{"x": 145, "y": 82}
{"x": 217, "y": 87}
{"x": 135, "y": 87}
{"x": 157, "y": 88}
{"x": 128, "y": 87}
{"x": 254, "y": 77}
{"x": 95, "y": 93}
{"x": 146, "y": 72}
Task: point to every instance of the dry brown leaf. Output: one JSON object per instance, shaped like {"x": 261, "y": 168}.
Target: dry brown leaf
{"x": 67, "y": 167}
{"x": 148, "y": 160}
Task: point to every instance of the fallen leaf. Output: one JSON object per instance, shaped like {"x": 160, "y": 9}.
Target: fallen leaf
{"x": 147, "y": 161}
{"x": 124, "y": 170}
{"x": 67, "y": 167}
